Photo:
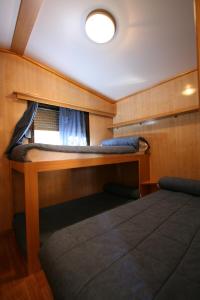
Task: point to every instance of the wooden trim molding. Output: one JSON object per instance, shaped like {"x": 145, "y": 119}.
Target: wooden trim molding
{"x": 156, "y": 117}
{"x": 157, "y": 84}
{"x": 61, "y": 103}
{"x": 57, "y": 73}
{"x": 27, "y": 16}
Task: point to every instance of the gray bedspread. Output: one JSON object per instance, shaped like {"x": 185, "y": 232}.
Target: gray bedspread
{"x": 147, "y": 249}
{"x": 19, "y": 152}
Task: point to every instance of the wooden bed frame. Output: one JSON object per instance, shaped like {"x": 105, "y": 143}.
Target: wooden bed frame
{"x": 31, "y": 171}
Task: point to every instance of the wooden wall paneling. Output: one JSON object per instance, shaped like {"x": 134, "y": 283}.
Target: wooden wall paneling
{"x": 99, "y": 129}
{"x": 79, "y": 85}
{"x": 21, "y": 75}
{"x": 59, "y": 186}
{"x": 65, "y": 185}
{"x": 28, "y": 78}
{"x": 197, "y": 23}
{"x": 26, "y": 19}
{"x": 172, "y": 78}
{"x": 164, "y": 98}
{"x": 174, "y": 141}
{"x": 175, "y": 145}
{"x": 127, "y": 174}
{"x": 157, "y": 117}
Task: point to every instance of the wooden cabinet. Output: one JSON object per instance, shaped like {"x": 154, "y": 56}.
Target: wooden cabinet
{"x": 148, "y": 187}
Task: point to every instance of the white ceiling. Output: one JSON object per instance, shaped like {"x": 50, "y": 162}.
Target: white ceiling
{"x": 155, "y": 40}
{"x": 8, "y": 16}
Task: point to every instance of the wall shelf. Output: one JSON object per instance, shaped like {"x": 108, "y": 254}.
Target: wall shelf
{"x": 64, "y": 103}
{"x": 160, "y": 116}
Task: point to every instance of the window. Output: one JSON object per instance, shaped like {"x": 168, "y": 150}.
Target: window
{"x": 45, "y": 129}
{"x": 46, "y": 125}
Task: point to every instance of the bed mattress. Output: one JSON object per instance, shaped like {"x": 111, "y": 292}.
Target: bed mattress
{"x": 43, "y": 152}
{"x": 144, "y": 250}
{"x": 58, "y": 216}
{"x": 39, "y": 155}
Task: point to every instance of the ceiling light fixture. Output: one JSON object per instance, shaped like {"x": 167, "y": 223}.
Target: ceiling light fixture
{"x": 100, "y": 26}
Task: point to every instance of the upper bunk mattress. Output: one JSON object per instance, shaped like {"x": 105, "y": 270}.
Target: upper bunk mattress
{"x": 43, "y": 152}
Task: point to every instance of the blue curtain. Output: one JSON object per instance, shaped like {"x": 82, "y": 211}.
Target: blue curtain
{"x": 23, "y": 126}
{"x": 72, "y": 127}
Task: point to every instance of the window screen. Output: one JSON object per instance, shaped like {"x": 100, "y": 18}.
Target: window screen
{"x": 47, "y": 118}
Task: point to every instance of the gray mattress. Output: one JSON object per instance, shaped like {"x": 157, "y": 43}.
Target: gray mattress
{"x": 55, "y": 217}
{"x": 19, "y": 152}
{"x": 147, "y": 249}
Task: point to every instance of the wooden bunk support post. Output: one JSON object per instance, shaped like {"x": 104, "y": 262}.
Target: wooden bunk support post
{"x": 32, "y": 217}
{"x": 31, "y": 212}
{"x": 144, "y": 171}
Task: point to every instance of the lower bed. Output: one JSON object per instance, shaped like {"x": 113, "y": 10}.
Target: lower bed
{"x": 58, "y": 216}
{"x": 147, "y": 249}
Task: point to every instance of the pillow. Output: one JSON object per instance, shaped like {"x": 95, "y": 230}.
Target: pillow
{"x": 124, "y": 141}
{"x": 122, "y": 190}
{"x": 176, "y": 184}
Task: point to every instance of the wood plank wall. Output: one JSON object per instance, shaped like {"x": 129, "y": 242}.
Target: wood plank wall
{"x": 59, "y": 186}
{"x": 175, "y": 141}
{"x": 99, "y": 129}
{"x": 162, "y": 98}
{"x": 21, "y": 75}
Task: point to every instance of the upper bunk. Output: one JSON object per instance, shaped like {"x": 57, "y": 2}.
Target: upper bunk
{"x": 55, "y": 157}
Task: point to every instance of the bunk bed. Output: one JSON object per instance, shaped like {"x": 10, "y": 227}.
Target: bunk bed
{"x": 31, "y": 170}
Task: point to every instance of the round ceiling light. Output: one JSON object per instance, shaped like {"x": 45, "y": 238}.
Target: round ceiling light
{"x": 100, "y": 26}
